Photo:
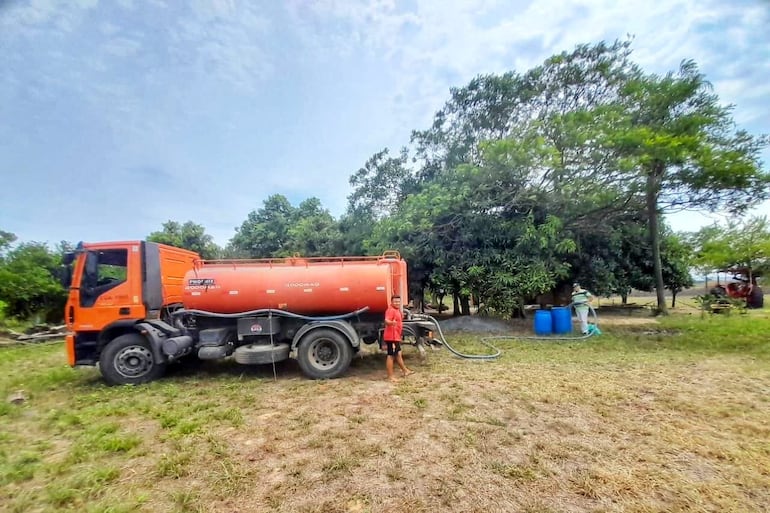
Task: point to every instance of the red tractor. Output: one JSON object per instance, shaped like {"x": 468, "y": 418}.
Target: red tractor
{"x": 744, "y": 286}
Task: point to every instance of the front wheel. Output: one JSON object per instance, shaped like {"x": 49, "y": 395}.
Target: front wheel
{"x": 324, "y": 354}
{"x": 129, "y": 360}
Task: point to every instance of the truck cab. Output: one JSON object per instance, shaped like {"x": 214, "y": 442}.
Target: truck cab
{"x": 113, "y": 286}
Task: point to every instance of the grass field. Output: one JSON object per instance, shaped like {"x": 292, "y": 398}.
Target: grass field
{"x": 654, "y": 415}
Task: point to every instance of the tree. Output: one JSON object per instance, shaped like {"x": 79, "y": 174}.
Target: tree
{"x": 676, "y": 264}
{"x": 534, "y": 104}
{"x": 28, "y": 283}
{"x": 743, "y": 243}
{"x": 679, "y": 146}
{"x": 6, "y": 239}
{"x": 479, "y": 230}
{"x": 379, "y": 188}
{"x": 531, "y": 136}
{"x": 279, "y": 229}
{"x": 265, "y": 232}
{"x": 314, "y": 232}
{"x": 380, "y": 185}
{"x": 189, "y": 235}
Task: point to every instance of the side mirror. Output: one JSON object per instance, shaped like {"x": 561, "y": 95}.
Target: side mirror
{"x": 65, "y": 276}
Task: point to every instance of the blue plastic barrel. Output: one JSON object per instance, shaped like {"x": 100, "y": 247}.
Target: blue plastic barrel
{"x": 543, "y": 323}
{"x": 562, "y": 319}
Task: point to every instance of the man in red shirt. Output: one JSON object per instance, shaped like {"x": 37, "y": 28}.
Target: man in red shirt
{"x": 392, "y": 337}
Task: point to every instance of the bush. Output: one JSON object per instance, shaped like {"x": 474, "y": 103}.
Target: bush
{"x": 28, "y": 284}
{"x": 715, "y": 303}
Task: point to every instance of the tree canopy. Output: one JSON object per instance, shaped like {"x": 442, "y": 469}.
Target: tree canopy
{"x": 736, "y": 244}
{"x": 189, "y": 235}
{"x": 279, "y": 229}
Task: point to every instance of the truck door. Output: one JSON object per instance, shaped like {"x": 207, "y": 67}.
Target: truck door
{"x": 110, "y": 288}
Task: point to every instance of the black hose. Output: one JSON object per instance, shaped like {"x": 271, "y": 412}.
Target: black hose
{"x": 442, "y": 339}
{"x": 272, "y": 311}
{"x": 485, "y": 340}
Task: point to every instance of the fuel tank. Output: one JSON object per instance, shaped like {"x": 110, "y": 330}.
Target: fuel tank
{"x": 307, "y": 286}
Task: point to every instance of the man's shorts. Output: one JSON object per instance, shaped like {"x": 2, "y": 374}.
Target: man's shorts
{"x": 393, "y": 348}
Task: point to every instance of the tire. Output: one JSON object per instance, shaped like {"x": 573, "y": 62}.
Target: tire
{"x": 129, "y": 360}
{"x": 324, "y": 354}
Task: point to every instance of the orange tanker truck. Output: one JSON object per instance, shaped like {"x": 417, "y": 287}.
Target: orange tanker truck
{"x": 135, "y": 307}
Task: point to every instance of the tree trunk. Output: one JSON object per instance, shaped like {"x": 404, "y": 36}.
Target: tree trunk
{"x": 518, "y": 310}
{"x": 440, "y": 301}
{"x": 653, "y": 187}
{"x": 465, "y": 305}
{"x": 673, "y": 299}
{"x": 421, "y": 298}
{"x": 455, "y": 304}
{"x": 624, "y": 297}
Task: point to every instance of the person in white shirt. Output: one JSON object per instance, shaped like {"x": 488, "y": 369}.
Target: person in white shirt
{"x": 581, "y": 298}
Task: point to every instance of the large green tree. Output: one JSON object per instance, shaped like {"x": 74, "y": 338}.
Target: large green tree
{"x": 679, "y": 145}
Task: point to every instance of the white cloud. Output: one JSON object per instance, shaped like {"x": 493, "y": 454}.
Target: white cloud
{"x": 224, "y": 41}
{"x": 108, "y": 28}
{"x": 439, "y": 44}
{"x": 122, "y": 47}
{"x": 29, "y": 18}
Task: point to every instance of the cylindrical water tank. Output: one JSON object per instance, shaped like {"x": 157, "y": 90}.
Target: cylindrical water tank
{"x": 562, "y": 319}
{"x": 543, "y": 322}
{"x": 301, "y": 285}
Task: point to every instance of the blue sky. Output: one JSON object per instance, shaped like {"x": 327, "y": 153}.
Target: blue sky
{"x": 118, "y": 115}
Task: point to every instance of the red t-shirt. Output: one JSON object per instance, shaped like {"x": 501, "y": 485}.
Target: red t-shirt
{"x": 393, "y": 332}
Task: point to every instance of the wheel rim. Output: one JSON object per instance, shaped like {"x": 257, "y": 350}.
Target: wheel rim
{"x": 324, "y": 353}
{"x": 134, "y": 362}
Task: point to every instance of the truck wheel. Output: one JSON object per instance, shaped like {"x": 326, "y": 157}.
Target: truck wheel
{"x": 128, "y": 360}
{"x": 324, "y": 353}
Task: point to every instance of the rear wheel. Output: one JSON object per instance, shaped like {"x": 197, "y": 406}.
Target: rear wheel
{"x": 324, "y": 354}
{"x": 129, "y": 360}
